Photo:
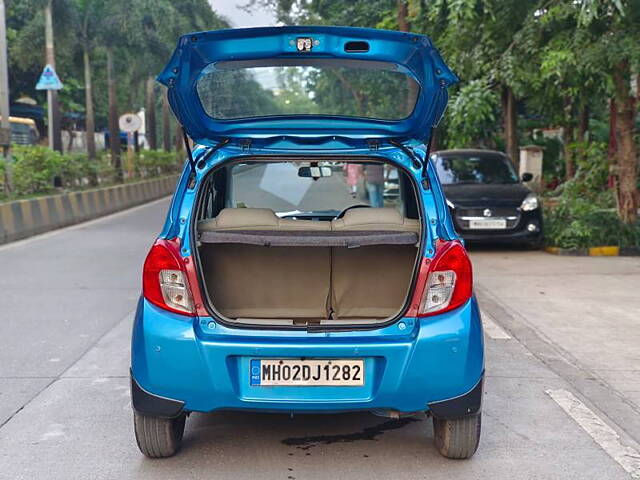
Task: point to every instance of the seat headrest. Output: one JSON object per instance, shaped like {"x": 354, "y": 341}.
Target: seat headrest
{"x": 246, "y": 217}
{"x": 359, "y": 216}
{"x": 257, "y": 219}
{"x": 240, "y": 218}
{"x": 266, "y": 219}
{"x": 375, "y": 219}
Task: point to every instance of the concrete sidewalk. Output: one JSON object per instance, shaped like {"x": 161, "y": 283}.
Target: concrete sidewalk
{"x": 577, "y": 314}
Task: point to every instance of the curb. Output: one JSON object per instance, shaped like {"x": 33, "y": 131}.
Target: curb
{"x": 23, "y": 218}
{"x": 603, "y": 251}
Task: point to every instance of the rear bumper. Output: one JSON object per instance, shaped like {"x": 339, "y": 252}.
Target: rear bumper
{"x": 199, "y": 365}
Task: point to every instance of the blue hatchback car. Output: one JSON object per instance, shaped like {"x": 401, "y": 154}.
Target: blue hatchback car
{"x": 284, "y": 280}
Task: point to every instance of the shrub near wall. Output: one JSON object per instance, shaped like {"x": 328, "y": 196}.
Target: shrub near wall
{"x": 576, "y": 223}
{"x": 151, "y": 163}
{"x": 583, "y": 214}
{"x": 36, "y": 169}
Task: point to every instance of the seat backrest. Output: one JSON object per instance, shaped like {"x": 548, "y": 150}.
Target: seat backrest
{"x": 251, "y": 281}
{"x": 371, "y": 281}
{"x": 375, "y": 219}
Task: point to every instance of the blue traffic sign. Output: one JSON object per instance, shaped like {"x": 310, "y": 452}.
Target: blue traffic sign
{"x": 49, "y": 79}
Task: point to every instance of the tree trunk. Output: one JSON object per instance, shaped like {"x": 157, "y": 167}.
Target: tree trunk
{"x": 150, "y": 113}
{"x": 89, "y": 120}
{"x": 166, "y": 124}
{"x": 627, "y": 187}
{"x": 114, "y": 129}
{"x": 612, "y": 152}
{"x": 569, "y": 162}
{"x": 568, "y": 138}
{"x": 405, "y": 26}
{"x": 510, "y": 128}
{"x": 583, "y": 125}
{"x": 179, "y": 143}
{"x": 583, "y": 131}
{"x": 434, "y": 143}
{"x": 403, "y": 11}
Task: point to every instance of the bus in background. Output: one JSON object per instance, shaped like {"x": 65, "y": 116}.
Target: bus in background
{"x": 23, "y": 131}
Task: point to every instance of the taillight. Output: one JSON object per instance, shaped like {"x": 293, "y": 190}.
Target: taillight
{"x": 164, "y": 279}
{"x": 444, "y": 282}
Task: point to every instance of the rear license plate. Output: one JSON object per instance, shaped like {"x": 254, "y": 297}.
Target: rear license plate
{"x": 488, "y": 224}
{"x": 307, "y": 373}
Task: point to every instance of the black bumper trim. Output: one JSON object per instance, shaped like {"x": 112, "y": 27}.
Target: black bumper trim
{"x": 464, "y": 405}
{"x": 147, "y": 403}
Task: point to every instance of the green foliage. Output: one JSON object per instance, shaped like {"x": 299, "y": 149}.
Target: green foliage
{"x": 234, "y": 94}
{"x": 583, "y": 213}
{"x": 77, "y": 171}
{"x": 151, "y": 163}
{"x": 472, "y": 112}
{"x": 578, "y": 222}
{"x": 143, "y": 34}
{"x": 556, "y": 56}
{"x": 35, "y": 169}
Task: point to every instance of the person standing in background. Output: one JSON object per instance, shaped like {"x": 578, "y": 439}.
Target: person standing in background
{"x": 354, "y": 172}
{"x": 374, "y": 180}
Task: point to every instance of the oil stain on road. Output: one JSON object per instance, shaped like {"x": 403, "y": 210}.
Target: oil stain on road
{"x": 368, "y": 433}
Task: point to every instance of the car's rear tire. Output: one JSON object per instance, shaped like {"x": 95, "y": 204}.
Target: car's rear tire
{"x": 457, "y": 438}
{"x": 158, "y": 437}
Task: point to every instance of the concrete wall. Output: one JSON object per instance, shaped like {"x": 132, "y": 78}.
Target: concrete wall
{"x": 23, "y": 218}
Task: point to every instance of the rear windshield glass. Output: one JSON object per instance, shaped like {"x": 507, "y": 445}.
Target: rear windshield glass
{"x": 482, "y": 169}
{"x": 280, "y": 187}
{"x": 367, "y": 89}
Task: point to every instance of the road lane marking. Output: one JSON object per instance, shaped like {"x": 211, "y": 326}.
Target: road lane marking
{"x": 492, "y": 329}
{"x": 602, "y": 434}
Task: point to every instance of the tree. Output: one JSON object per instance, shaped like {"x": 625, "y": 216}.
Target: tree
{"x": 606, "y": 34}
{"x": 87, "y": 16}
{"x": 612, "y": 25}
{"x": 472, "y": 115}
{"x": 485, "y": 50}
{"x": 554, "y": 80}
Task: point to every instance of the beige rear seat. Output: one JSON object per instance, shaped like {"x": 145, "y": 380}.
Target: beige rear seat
{"x": 251, "y": 281}
{"x": 371, "y": 281}
{"x": 266, "y": 282}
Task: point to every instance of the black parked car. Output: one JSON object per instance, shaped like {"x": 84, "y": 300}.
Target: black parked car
{"x": 488, "y": 201}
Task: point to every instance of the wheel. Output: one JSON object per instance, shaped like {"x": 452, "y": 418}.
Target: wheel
{"x": 457, "y": 438}
{"x": 158, "y": 437}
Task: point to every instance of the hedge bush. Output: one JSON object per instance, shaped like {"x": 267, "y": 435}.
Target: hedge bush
{"x": 584, "y": 213}
{"x": 581, "y": 223}
{"x": 40, "y": 170}
{"x": 151, "y": 163}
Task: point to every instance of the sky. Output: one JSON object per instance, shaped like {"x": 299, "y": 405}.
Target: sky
{"x": 238, "y": 17}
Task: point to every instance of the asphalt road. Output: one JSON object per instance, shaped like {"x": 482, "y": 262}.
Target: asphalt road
{"x": 550, "y": 411}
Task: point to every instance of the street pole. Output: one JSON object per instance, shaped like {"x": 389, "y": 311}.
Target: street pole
{"x": 55, "y": 139}
{"x": 5, "y": 124}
